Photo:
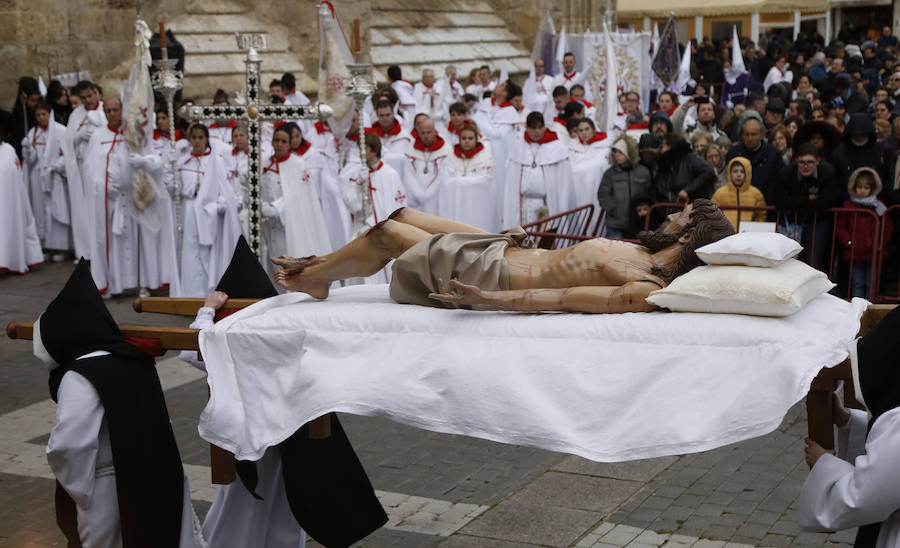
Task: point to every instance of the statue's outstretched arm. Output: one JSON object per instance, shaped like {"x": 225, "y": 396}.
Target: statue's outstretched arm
{"x": 630, "y": 297}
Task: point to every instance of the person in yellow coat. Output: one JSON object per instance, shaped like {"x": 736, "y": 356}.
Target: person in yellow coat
{"x": 739, "y": 192}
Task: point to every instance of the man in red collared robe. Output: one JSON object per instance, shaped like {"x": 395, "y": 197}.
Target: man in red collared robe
{"x": 569, "y": 76}
{"x": 108, "y": 177}
{"x": 395, "y": 139}
{"x": 82, "y": 122}
{"x": 428, "y": 97}
{"x": 424, "y": 167}
{"x": 538, "y": 176}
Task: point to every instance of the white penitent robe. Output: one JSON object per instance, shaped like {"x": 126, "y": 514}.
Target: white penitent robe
{"x": 80, "y": 455}
{"x": 467, "y": 191}
{"x": 107, "y": 175}
{"x": 127, "y": 254}
{"x": 293, "y": 223}
{"x": 451, "y": 92}
{"x": 394, "y": 144}
{"x": 559, "y": 127}
{"x": 449, "y": 134}
{"x": 478, "y": 89}
{"x": 295, "y": 97}
{"x": 507, "y": 124}
{"x": 80, "y": 127}
{"x": 222, "y": 132}
{"x": 840, "y": 495}
{"x": 429, "y": 100}
{"x": 590, "y": 160}
{"x": 210, "y": 225}
{"x": 325, "y": 165}
{"x": 20, "y": 246}
{"x": 422, "y": 173}
{"x": 163, "y": 148}
{"x": 236, "y": 519}
{"x": 538, "y": 181}
{"x": 567, "y": 80}
{"x": 321, "y": 138}
{"x": 236, "y": 165}
{"x": 386, "y": 194}
{"x": 406, "y": 100}
{"x": 537, "y": 93}
{"x": 45, "y": 173}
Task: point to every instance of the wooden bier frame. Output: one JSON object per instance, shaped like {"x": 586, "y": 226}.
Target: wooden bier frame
{"x": 818, "y": 400}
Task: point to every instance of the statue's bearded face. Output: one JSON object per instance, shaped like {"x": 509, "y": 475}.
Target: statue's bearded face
{"x": 698, "y": 224}
{"x": 669, "y": 232}
{"x": 659, "y": 239}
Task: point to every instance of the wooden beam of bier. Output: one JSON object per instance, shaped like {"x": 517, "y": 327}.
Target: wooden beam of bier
{"x": 182, "y": 306}
{"x": 171, "y": 338}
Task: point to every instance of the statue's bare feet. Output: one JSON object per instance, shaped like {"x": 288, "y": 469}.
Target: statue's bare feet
{"x": 289, "y": 263}
{"x": 290, "y": 275}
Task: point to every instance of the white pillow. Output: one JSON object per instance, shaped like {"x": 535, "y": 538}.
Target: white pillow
{"x": 750, "y": 249}
{"x": 732, "y": 289}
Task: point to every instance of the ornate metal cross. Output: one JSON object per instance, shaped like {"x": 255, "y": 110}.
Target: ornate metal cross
{"x": 254, "y": 113}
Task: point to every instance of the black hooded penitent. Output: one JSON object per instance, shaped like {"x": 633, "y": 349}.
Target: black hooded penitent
{"x": 327, "y": 488}
{"x": 149, "y": 475}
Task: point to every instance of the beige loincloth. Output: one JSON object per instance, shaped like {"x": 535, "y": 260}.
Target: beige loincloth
{"x": 473, "y": 259}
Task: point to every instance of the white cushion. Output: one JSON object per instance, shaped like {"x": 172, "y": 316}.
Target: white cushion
{"x": 750, "y": 249}
{"x": 732, "y": 289}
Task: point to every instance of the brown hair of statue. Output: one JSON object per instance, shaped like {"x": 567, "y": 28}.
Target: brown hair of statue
{"x": 707, "y": 225}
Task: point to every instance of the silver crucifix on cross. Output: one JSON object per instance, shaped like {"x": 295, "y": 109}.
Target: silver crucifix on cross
{"x": 254, "y": 114}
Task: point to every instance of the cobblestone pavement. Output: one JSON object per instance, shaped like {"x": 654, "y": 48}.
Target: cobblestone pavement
{"x": 439, "y": 490}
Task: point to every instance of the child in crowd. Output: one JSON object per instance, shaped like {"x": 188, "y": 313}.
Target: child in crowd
{"x": 857, "y": 234}
{"x": 640, "y": 209}
{"x": 739, "y": 192}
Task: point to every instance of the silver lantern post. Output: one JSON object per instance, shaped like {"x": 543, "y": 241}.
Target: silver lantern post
{"x": 167, "y": 81}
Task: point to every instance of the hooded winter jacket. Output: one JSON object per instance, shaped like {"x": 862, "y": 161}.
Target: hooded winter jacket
{"x": 857, "y": 234}
{"x": 745, "y": 195}
{"x": 621, "y": 184}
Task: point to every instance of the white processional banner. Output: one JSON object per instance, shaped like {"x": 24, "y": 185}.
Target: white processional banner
{"x": 633, "y": 53}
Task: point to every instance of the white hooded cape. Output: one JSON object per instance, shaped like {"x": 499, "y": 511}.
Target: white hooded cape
{"x": 20, "y": 247}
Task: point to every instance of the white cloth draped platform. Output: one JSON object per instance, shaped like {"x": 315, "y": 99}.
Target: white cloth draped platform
{"x": 606, "y": 387}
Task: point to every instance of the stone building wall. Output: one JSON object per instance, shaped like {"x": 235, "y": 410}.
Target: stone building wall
{"x": 67, "y": 35}
{"x": 96, "y": 35}
{"x": 524, "y": 16}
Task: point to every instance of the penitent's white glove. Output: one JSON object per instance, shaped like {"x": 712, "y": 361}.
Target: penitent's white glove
{"x": 136, "y": 161}
{"x": 268, "y": 210}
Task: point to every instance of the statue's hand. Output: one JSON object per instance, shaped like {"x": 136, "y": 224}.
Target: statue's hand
{"x": 459, "y": 294}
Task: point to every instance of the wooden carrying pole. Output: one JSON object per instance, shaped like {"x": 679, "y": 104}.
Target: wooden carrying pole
{"x": 181, "y": 307}
{"x": 170, "y": 338}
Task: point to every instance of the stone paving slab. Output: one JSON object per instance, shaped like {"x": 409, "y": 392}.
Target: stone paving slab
{"x": 532, "y": 523}
{"x": 602, "y": 495}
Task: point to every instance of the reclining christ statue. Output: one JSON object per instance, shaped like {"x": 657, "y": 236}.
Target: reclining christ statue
{"x": 441, "y": 262}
